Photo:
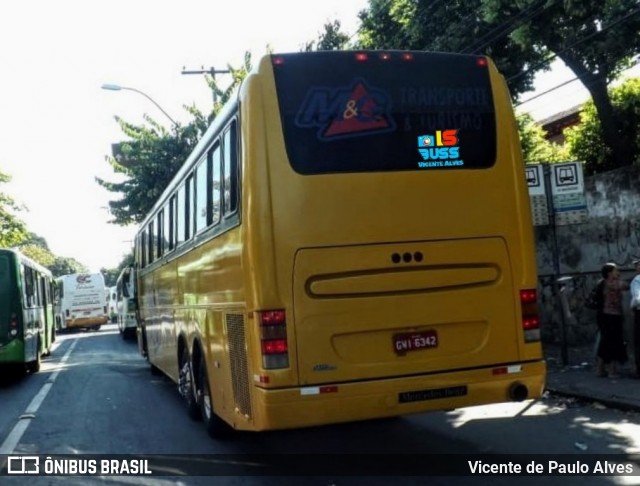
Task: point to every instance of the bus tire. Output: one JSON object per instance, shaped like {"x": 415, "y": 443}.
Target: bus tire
{"x": 34, "y": 366}
{"x": 214, "y": 425}
{"x": 185, "y": 385}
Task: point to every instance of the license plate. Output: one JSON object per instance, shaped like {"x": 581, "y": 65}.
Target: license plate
{"x": 414, "y": 341}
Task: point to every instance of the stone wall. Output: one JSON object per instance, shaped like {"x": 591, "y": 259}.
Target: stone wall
{"x": 611, "y": 234}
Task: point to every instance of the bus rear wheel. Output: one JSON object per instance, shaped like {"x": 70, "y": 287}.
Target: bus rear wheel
{"x": 185, "y": 385}
{"x": 34, "y": 366}
{"x": 214, "y": 425}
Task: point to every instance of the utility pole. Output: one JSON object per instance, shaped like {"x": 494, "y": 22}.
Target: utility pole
{"x": 212, "y": 72}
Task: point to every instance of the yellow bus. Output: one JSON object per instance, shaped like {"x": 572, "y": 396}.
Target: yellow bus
{"x": 350, "y": 239}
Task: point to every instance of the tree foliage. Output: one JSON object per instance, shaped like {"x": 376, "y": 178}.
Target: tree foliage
{"x": 37, "y": 248}
{"x": 12, "y": 229}
{"x": 452, "y": 26}
{"x": 151, "y": 155}
{"x": 66, "y": 266}
{"x": 585, "y": 141}
{"x": 596, "y": 40}
{"x": 331, "y": 39}
{"x": 535, "y": 147}
{"x": 111, "y": 274}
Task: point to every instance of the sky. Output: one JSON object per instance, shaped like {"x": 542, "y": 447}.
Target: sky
{"x": 57, "y": 125}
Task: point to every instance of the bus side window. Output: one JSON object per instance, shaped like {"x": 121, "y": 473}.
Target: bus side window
{"x": 150, "y": 242}
{"x": 168, "y": 225}
{"x": 201, "y": 210}
{"x": 181, "y": 217}
{"x": 160, "y": 236}
{"x": 230, "y": 172}
{"x": 189, "y": 209}
{"x": 216, "y": 184}
{"x": 28, "y": 286}
{"x": 142, "y": 248}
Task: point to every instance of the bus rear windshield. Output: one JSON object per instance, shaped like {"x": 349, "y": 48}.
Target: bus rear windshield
{"x": 385, "y": 111}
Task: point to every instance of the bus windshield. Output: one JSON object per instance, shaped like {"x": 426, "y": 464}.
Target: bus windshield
{"x": 375, "y": 112}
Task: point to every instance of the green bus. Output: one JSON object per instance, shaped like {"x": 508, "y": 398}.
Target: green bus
{"x": 27, "y": 329}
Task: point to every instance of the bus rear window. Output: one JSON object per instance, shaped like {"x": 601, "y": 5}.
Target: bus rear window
{"x": 343, "y": 112}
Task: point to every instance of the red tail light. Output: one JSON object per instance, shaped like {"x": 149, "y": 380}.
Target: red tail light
{"x": 530, "y": 317}
{"x": 273, "y": 339}
{"x": 13, "y": 326}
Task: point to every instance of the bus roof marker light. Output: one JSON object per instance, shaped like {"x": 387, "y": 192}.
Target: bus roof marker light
{"x": 407, "y": 56}
{"x": 482, "y": 62}
{"x": 361, "y": 56}
{"x": 278, "y": 60}
{"x": 385, "y": 56}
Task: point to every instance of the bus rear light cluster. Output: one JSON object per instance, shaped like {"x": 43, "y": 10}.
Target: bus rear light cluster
{"x": 530, "y": 317}
{"x": 13, "y": 325}
{"x": 273, "y": 339}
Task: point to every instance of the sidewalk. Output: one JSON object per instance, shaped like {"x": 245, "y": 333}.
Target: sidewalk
{"x": 578, "y": 379}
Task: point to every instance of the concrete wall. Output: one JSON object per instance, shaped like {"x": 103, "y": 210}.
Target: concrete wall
{"x": 611, "y": 233}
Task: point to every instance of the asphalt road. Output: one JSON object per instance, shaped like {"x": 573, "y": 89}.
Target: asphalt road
{"x": 95, "y": 395}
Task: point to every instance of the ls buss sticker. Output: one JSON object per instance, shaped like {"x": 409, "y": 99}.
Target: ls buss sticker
{"x": 346, "y": 112}
{"x": 440, "y": 149}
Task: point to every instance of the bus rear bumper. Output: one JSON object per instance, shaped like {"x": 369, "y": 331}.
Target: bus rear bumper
{"x": 327, "y": 403}
{"x": 86, "y": 322}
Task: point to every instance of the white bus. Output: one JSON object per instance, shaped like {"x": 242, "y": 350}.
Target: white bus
{"x": 126, "y": 303}
{"x": 81, "y": 301}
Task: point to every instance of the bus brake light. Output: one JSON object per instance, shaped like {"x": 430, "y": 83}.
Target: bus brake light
{"x": 273, "y": 339}
{"x": 530, "y": 317}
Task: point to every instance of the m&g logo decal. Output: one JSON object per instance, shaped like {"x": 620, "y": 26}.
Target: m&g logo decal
{"x": 346, "y": 112}
{"x": 440, "y": 149}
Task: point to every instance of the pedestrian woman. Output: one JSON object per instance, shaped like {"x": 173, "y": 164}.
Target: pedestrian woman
{"x": 612, "y": 350}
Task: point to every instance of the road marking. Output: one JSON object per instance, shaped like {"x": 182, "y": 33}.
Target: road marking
{"x": 13, "y": 439}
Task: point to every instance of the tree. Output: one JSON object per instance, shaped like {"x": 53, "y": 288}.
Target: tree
{"x": 535, "y": 147}
{"x": 38, "y": 253}
{"x": 12, "y": 229}
{"x": 65, "y": 266}
{"x": 331, "y": 39}
{"x": 594, "y": 39}
{"x": 452, "y": 26}
{"x": 585, "y": 141}
{"x": 111, "y": 274}
{"x": 37, "y": 248}
{"x": 152, "y": 155}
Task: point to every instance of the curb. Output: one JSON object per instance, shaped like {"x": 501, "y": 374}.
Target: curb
{"x": 608, "y": 402}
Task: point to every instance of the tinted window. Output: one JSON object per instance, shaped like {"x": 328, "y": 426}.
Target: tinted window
{"x": 201, "y": 196}
{"x": 230, "y": 171}
{"x": 168, "y": 225}
{"x": 427, "y": 112}
{"x": 216, "y": 184}
{"x": 189, "y": 208}
{"x": 181, "y": 218}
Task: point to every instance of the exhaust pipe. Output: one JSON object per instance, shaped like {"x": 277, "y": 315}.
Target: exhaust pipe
{"x": 518, "y": 392}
